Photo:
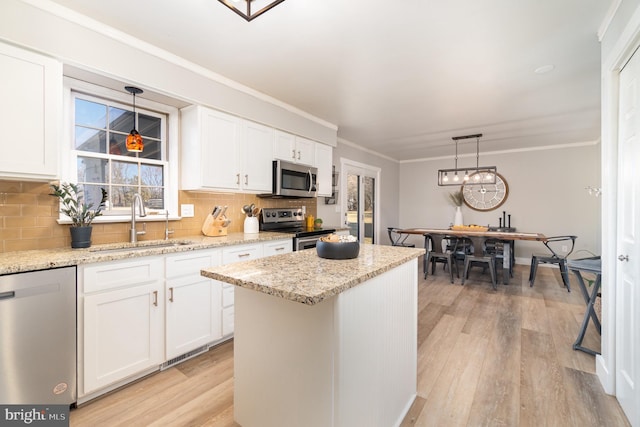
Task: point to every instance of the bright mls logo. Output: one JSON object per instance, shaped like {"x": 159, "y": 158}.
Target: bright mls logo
{"x": 34, "y": 415}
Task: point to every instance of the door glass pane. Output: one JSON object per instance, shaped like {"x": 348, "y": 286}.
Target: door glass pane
{"x": 353, "y": 213}
{"x": 369, "y": 205}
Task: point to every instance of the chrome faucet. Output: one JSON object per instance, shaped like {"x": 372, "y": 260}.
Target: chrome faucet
{"x": 167, "y": 232}
{"x": 137, "y": 199}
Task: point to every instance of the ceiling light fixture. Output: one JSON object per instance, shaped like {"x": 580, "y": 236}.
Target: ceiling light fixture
{"x": 134, "y": 140}
{"x": 244, "y": 7}
{"x": 481, "y": 174}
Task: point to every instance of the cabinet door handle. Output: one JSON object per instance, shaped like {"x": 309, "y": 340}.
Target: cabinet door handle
{"x": 623, "y": 257}
{"x": 155, "y": 298}
{"x": 171, "y": 294}
{"x": 298, "y": 154}
{"x": 294, "y": 154}
{"x": 238, "y": 178}
{"x": 246, "y": 180}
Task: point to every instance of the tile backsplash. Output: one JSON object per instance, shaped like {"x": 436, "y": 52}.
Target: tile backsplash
{"x": 28, "y": 217}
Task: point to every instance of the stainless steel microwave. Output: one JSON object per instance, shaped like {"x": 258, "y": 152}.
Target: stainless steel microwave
{"x": 294, "y": 180}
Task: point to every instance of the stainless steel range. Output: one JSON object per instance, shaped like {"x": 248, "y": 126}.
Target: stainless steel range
{"x": 291, "y": 220}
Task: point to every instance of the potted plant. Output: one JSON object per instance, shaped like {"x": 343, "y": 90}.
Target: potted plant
{"x": 80, "y": 213}
{"x": 457, "y": 198}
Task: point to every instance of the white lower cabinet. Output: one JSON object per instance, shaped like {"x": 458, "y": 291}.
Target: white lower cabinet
{"x": 122, "y": 331}
{"x": 136, "y": 314}
{"x": 192, "y": 302}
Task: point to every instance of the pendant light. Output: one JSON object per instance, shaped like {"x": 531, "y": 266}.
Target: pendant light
{"x": 481, "y": 174}
{"x": 134, "y": 140}
{"x": 244, "y": 9}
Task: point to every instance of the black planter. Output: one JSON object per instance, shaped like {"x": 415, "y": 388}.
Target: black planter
{"x": 80, "y": 237}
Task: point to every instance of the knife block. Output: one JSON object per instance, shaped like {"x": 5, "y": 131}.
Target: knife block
{"x": 213, "y": 227}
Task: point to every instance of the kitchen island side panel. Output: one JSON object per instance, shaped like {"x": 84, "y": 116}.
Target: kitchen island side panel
{"x": 283, "y": 361}
{"x": 376, "y": 358}
{"x": 349, "y": 360}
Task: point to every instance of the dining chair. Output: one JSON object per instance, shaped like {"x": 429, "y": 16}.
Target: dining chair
{"x": 433, "y": 244}
{"x": 554, "y": 245}
{"x": 459, "y": 247}
{"x": 480, "y": 256}
{"x": 496, "y": 247}
{"x": 398, "y": 239}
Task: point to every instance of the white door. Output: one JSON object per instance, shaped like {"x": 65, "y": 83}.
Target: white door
{"x": 628, "y": 270}
{"x": 360, "y": 200}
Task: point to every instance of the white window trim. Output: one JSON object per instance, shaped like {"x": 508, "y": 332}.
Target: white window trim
{"x": 67, "y": 157}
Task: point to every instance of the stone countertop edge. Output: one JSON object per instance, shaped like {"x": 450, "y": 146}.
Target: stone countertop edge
{"x": 43, "y": 259}
{"x": 306, "y": 278}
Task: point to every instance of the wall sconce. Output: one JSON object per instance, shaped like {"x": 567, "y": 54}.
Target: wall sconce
{"x": 244, "y": 9}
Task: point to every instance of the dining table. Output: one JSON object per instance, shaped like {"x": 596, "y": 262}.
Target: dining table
{"x": 507, "y": 237}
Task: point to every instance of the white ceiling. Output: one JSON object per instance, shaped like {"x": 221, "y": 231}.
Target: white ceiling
{"x": 398, "y": 77}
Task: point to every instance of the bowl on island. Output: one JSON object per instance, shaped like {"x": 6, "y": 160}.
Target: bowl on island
{"x": 338, "y": 247}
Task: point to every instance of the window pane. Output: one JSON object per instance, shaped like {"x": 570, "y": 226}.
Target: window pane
{"x": 92, "y": 195}
{"x": 120, "y": 120}
{"x": 151, "y": 150}
{"x": 91, "y": 114}
{"x": 149, "y": 126}
{"x": 90, "y": 140}
{"x": 153, "y": 197}
{"x": 92, "y": 170}
{"x": 121, "y": 196}
{"x": 124, "y": 173}
{"x": 151, "y": 175}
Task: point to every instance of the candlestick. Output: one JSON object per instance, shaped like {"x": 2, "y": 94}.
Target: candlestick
{"x": 509, "y": 221}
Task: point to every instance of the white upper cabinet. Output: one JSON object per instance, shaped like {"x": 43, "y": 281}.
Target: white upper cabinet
{"x": 30, "y": 114}
{"x": 223, "y": 152}
{"x": 324, "y": 163}
{"x": 256, "y": 157}
{"x": 294, "y": 148}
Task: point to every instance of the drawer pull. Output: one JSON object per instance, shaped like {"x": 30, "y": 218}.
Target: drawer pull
{"x": 281, "y": 248}
{"x": 7, "y": 295}
{"x": 243, "y": 255}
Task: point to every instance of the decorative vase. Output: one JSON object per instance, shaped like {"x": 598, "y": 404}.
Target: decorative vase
{"x": 457, "y": 219}
{"x": 80, "y": 237}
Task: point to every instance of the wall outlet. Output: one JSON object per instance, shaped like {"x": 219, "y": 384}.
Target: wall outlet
{"x": 565, "y": 248}
{"x": 186, "y": 211}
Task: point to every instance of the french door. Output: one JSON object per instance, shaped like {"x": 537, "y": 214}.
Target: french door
{"x": 628, "y": 243}
{"x": 360, "y": 196}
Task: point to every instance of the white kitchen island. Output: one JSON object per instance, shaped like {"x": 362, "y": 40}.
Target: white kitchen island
{"x": 323, "y": 342}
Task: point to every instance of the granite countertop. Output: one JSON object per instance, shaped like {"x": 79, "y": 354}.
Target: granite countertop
{"x": 306, "y": 278}
{"x": 22, "y": 261}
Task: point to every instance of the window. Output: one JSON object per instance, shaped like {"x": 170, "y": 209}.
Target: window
{"x": 100, "y": 120}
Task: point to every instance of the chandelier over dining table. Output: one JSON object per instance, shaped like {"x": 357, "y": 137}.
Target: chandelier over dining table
{"x": 469, "y": 175}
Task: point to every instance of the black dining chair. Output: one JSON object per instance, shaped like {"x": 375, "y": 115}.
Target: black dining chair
{"x": 398, "y": 239}
{"x": 496, "y": 247}
{"x": 480, "y": 256}
{"x": 554, "y": 245}
{"x": 433, "y": 244}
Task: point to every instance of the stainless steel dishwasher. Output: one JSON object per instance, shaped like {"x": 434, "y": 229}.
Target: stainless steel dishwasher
{"x": 38, "y": 337}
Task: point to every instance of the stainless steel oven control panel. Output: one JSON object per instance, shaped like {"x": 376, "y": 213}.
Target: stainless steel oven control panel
{"x": 281, "y": 215}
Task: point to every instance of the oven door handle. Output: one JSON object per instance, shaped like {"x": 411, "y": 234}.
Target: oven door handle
{"x": 307, "y": 239}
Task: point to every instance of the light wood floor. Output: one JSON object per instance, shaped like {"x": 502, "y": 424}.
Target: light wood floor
{"x": 485, "y": 358}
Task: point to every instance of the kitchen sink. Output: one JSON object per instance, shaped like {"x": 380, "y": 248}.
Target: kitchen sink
{"x": 141, "y": 246}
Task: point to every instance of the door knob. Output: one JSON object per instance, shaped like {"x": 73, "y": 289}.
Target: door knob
{"x": 623, "y": 257}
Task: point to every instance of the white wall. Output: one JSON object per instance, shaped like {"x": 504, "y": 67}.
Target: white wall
{"x": 546, "y": 195}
